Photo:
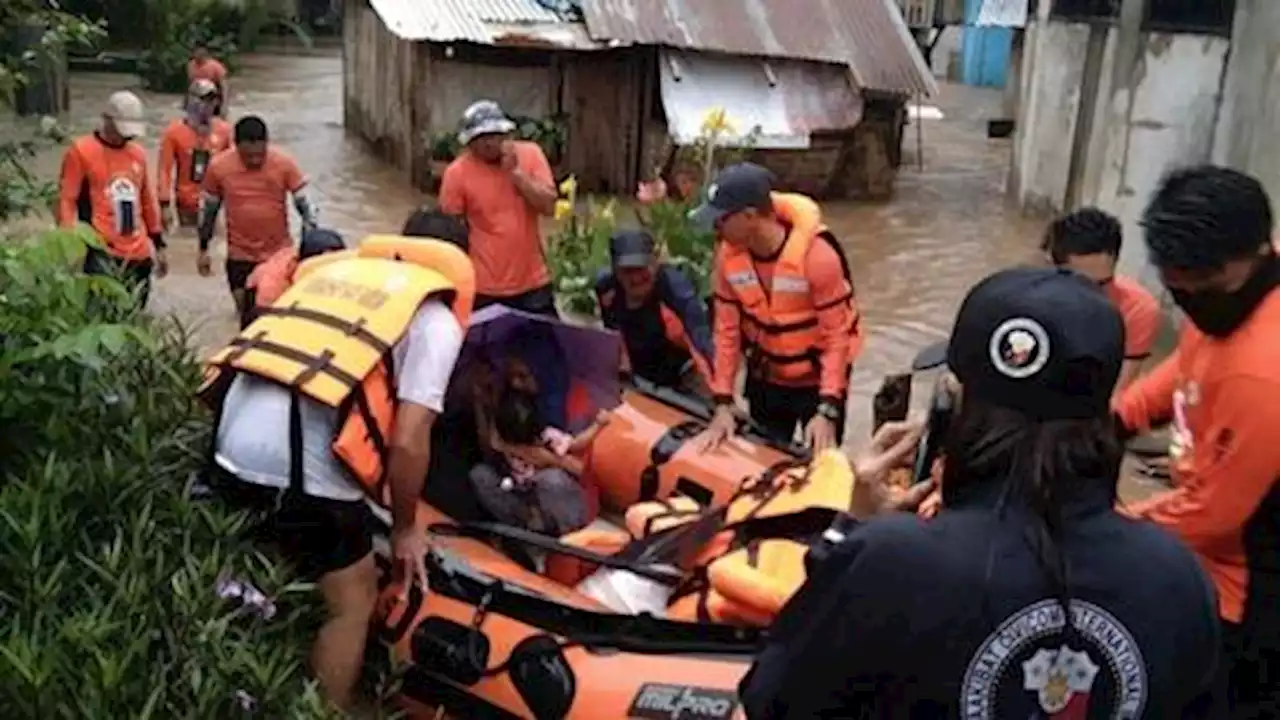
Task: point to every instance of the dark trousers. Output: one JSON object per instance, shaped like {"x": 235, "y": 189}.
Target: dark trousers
{"x": 780, "y": 409}
{"x": 136, "y": 275}
{"x": 539, "y": 301}
{"x": 1247, "y": 686}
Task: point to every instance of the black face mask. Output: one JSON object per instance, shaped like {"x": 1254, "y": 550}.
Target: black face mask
{"x": 1219, "y": 313}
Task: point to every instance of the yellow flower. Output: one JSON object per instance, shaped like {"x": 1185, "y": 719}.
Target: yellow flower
{"x": 605, "y": 212}
{"x": 569, "y": 187}
{"x": 716, "y": 122}
{"x": 564, "y": 208}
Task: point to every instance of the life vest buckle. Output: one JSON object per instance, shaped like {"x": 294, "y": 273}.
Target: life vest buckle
{"x": 482, "y": 607}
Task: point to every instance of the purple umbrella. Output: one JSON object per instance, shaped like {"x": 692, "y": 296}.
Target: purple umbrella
{"x": 562, "y": 358}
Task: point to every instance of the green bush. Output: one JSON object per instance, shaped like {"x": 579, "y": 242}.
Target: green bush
{"x": 110, "y": 574}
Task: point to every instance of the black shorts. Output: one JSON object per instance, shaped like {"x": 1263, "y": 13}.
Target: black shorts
{"x": 317, "y": 535}
{"x": 238, "y": 272}
{"x": 538, "y": 301}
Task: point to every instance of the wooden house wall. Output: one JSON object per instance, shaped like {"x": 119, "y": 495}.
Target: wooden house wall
{"x": 382, "y": 79}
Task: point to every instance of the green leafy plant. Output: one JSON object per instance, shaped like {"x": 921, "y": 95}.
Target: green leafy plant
{"x": 579, "y": 247}
{"x": 122, "y": 595}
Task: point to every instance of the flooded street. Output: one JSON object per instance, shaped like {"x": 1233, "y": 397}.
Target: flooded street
{"x": 913, "y": 258}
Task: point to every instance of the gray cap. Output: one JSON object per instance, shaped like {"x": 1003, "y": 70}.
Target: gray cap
{"x": 483, "y": 117}
{"x": 631, "y": 249}
{"x": 735, "y": 188}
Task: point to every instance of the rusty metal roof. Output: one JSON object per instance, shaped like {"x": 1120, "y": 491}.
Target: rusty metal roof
{"x": 486, "y": 22}
{"x": 784, "y": 100}
{"x": 869, "y": 36}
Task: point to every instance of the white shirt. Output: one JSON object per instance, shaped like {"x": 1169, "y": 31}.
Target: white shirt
{"x": 253, "y": 437}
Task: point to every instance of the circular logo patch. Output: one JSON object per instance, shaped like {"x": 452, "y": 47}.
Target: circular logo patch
{"x": 1019, "y": 348}
{"x": 713, "y": 191}
{"x": 1024, "y": 669}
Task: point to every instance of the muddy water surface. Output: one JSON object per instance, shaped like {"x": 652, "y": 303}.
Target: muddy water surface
{"x": 913, "y": 258}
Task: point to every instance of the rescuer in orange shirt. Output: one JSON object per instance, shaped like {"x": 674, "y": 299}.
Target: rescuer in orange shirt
{"x": 103, "y": 183}
{"x": 784, "y": 302}
{"x": 186, "y": 149}
{"x": 204, "y": 66}
{"x": 1209, "y": 233}
{"x": 254, "y": 183}
{"x": 1088, "y": 241}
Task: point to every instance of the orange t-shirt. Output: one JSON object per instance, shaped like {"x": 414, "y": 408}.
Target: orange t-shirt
{"x": 255, "y": 202}
{"x": 211, "y": 70}
{"x": 1222, "y": 396}
{"x": 837, "y": 314}
{"x": 1141, "y": 314}
{"x": 506, "y": 242}
{"x": 189, "y": 153}
{"x": 107, "y": 188}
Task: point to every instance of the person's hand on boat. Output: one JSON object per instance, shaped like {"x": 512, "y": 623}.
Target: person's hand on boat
{"x": 722, "y": 426}
{"x": 893, "y": 446}
{"x": 409, "y": 550}
{"x": 819, "y": 434}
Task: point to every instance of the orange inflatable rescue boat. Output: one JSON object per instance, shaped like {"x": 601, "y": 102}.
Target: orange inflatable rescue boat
{"x": 656, "y": 616}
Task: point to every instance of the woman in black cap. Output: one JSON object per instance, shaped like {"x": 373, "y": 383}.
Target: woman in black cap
{"x": 1027, "y": 595}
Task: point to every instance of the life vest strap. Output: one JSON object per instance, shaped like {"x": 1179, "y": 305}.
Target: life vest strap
{"x": 354, "y": 329}
{"x": 773, "y": 328}
{"x": 313, "y": 365}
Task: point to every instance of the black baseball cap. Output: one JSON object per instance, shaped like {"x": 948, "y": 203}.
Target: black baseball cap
{"x": 1043, "y": 341}
{"x": 735, "y": 188}
{"x": 631, "y": 249}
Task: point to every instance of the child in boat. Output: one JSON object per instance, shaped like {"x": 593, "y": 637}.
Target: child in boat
{"x": 530, "y": 478}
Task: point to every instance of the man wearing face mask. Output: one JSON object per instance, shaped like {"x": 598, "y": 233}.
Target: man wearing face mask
{"x": 188, "y": 145}
{"x": 103, "y": 184}
{"x": 502, "y": 186}
{"x": 1209, "y": 232}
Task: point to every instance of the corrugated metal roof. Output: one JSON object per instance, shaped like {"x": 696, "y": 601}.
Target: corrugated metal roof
{"x": 869, "y": 36}
{"x": 797, "y": 99}
{"x": 478, "y": 21}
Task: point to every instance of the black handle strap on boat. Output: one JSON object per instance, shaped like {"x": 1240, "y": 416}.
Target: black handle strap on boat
{"x": 552, "y": 545}
{"x": 295, "y": 444}
{"x": 678, "y": 545}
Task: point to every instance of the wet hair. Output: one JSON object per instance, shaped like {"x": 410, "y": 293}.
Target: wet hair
{"x": 1087, "y": 231}
{"x": 1042, "y": 466}
{"x": 516, "y": 419}
{"x": 1204, "y": 216}
{"x": 250, "y": 129}
{"x": 439, "y": 225}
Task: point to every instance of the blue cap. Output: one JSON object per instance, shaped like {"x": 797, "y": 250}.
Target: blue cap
{"x": 1046, "y": 342}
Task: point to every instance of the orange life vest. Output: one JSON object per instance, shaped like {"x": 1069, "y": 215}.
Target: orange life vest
{"x": 780, "y": 324}
{"x": 270, "y": 279}
{"x": 330, "y": 336}
{"x": 739, "y": 580}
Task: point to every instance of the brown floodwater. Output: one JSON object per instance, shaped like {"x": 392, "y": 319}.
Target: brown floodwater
{"x": 913, "y": 258}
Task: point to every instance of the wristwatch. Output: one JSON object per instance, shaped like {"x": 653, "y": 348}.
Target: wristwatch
{"x": 828, "y": 410}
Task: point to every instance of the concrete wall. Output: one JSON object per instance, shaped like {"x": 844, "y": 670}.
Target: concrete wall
{"x": 1249, "y": 121}
{"x": 1108, "y": 109}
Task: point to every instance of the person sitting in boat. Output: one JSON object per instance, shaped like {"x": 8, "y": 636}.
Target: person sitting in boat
{"x": 270, "y": 279}
{"x": 1028, "y": 594}
{"x": 531, "y": 476}
{"x": 784, "y": 303}
{"x": 665, "y": 333}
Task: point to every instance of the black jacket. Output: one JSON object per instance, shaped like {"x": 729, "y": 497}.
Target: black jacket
{"x": 661, "y": 335}
{"x": 954, "y": 617}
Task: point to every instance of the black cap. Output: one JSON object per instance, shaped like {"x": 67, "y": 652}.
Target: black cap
{"x": 318, "y": 241}
{"x": 734, "y": 189}
{"x": 631, "y": 249}
{"x": 1043, "y": 341}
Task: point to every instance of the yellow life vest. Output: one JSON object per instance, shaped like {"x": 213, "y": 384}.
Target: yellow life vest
{"x": 330, "y": 336}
